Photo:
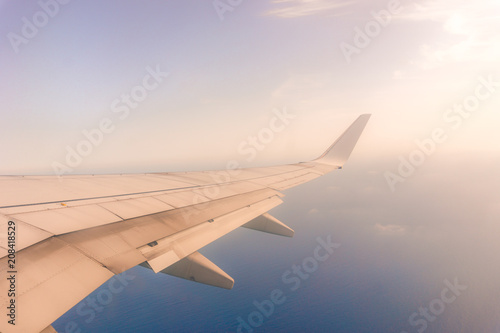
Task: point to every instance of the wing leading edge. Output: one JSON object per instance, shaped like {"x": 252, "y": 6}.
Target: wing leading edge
{"x": 77, "y": 232}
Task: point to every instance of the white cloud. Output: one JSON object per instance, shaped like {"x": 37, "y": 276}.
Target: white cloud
{"x": 298, "y": 8}
{"x": 313, "y": 211}
{"x": 471, "y": 27}
{"x": 390, "y": 229}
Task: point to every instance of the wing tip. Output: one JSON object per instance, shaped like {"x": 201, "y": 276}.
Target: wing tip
{"x": 338, "y": 153}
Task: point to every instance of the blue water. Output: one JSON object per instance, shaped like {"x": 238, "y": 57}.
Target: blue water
{"x": 373, "y": 282}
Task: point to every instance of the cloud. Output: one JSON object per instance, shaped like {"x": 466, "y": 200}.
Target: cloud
{"x": 471, "y": 31}
{"x": 313, "y": 211}
{"x": 299, "y": 8}
{"x": 389, "y": 229}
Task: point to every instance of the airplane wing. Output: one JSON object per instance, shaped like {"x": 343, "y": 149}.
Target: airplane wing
{"x": 62, "y": 237}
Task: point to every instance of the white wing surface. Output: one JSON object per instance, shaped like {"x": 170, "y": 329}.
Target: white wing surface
{"x": 73, "y": 233}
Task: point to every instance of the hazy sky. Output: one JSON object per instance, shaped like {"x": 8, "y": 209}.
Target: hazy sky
{"x": 229, "y": 67}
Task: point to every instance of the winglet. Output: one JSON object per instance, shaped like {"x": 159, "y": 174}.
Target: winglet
{"x": 338, "y": 153}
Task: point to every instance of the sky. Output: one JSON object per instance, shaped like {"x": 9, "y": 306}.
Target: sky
{"x": 129, "y": 86}
{"x": 225, "y": 76}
